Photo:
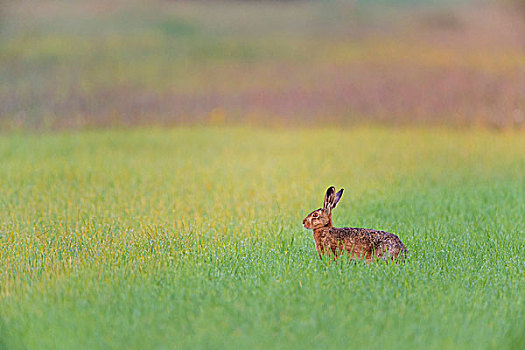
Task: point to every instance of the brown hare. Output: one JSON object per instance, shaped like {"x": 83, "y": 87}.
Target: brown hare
{"x": 359, "y": 243}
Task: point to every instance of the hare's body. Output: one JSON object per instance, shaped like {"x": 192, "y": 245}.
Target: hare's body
{"x": 359, "y": 243}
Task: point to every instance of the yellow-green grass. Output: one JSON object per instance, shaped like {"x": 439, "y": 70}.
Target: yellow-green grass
{"x": 192, "y": 238}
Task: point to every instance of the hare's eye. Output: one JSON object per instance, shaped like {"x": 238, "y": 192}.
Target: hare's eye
{"x": 315, "y": 215}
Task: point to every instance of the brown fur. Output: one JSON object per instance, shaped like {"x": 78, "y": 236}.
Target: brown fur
{"x": 359, "y": 243}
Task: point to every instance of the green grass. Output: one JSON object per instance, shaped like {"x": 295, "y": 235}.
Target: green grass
{"x": 192, "y": 238}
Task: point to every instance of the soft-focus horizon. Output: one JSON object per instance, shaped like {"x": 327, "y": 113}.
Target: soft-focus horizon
{"x": 77, "y": 64}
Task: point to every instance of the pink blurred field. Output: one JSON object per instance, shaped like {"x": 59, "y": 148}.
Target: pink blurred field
{"x": 94, "y": 64}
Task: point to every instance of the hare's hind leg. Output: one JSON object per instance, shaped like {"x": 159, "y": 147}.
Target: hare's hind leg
{"x": 398, "y": 255}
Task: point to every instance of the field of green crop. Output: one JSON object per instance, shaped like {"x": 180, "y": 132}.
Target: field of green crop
{"x": 192, "y": 238}
{"x": 157, "y": 159}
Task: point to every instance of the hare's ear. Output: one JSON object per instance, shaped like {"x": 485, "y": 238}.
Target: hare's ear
{"x": 337, "y": 197}
{"x": 329, "y": 198}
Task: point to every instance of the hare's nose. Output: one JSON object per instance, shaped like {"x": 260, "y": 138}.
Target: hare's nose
{"x": 304, "y": 222}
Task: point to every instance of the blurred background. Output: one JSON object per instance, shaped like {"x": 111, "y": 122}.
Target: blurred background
{"x": 83, "y": 64}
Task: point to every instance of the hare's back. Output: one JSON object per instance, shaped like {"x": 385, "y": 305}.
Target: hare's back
{"x": 370, "y": 240}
